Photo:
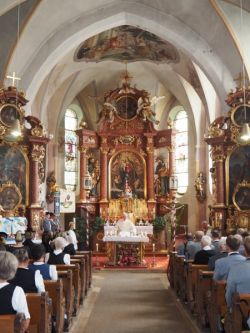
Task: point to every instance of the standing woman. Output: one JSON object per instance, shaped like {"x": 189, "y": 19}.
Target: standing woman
{"x": 72, "y": 234}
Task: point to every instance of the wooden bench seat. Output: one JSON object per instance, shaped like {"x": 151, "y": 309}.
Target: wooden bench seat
{"x": 234, "y": 321}
{"x": 204, "y": 286}
{"x": 83, "y": 276}
{"x": 75, "y": 268}
{"x": 68, "y": 291}
{"x": 40, "y": 308}
{"x": 88, "y": 255}
{"x": 55, "y": 291}
{"x": 13, "y": 323}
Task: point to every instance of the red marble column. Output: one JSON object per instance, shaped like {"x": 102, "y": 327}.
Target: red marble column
{"x": 83, "y": 166}
{"x": 103, "y": 174}
{"x": 150, "y": 174}
{"x": 220, "y": 181}
{"x": 37, "y": 153}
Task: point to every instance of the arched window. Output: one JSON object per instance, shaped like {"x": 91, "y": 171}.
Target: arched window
{"x": 181, "y": 150}
{"x": 70, "y": 162}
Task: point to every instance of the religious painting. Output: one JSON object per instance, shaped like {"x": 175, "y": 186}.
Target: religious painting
{"x": 127, "y": 43}
{"x": 14, "y": 169}
{"x": 238, "y": 170}
{"x": 67, "y": 201}
{"x": 241, "y": 115}
{"x": 127, "y": 176}
{"x": 241, "y": 196}
{"x": 10, "y": 196}
{"x": 161, "y": 172}
{"x": 9, "y": 113}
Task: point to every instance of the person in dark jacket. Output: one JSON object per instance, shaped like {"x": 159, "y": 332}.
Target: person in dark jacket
{"x": 31, "y": 282}
{"x": 202, "y": 256}
{"x": 48, "y": 272}
{"x": 223, "y": 253}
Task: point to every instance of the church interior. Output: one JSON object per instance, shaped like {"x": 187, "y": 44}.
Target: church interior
{"x": 128, "y": 123}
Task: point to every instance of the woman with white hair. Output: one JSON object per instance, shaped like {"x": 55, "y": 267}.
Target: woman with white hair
{"x": 12, "y": 297}
{"x": 58, "y": 257}
{"x": 202, "y": 256}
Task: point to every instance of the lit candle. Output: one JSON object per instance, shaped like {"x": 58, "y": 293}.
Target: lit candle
{"x": 74, "y": 219}
{"x": 97, "y": 247}
{"x": 153, "y": 247}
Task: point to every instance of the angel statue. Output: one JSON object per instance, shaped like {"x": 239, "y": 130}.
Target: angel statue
{"x": 144, "y": 107}
{"x": 200, "y": 187}
{"x": 107, "y": 113}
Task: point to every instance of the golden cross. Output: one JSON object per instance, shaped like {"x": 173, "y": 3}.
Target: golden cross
{"x": 13, "y": 78}
{"x": 239, "y": 80}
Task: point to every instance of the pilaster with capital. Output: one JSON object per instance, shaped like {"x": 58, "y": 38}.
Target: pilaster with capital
{"x": 37, "y": 154}
{"x": 103, "y": 174}
{"x": 83, "y": 169}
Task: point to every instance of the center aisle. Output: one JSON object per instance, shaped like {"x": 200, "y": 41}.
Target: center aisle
{"x": 128, "y": 302}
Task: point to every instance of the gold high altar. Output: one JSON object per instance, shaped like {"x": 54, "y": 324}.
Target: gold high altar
{"x": 128, "y": 161}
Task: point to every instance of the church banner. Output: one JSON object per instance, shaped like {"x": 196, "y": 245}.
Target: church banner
{"x": 67, "y": 201}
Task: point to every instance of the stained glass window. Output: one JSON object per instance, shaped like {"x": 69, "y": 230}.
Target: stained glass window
{"x": 181, "y": 150}
{"x": 70, "y": 160}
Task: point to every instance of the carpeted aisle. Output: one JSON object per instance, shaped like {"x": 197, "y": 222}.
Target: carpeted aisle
{"x": 128, "y": 302}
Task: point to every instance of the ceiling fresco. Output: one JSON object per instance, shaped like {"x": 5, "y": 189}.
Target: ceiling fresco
{"x": 127, "y": 43}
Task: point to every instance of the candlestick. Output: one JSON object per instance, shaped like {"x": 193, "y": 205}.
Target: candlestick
{"x": 97, "y": 247}
{"x": 153, "y": 247}
{"x": 96, "y": 254}
{"x": 153, "y": 263}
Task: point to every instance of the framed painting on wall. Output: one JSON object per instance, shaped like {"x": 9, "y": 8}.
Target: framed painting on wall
{"x": 127, "y": 176}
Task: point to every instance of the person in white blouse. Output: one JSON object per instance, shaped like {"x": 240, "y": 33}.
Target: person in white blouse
{"x": 71, "y": 233}
{"x": 48, "y": 272}
{"x": 13, "y": 299}
{"x": 57, "y": 257}
{"x": 25, "y": 278}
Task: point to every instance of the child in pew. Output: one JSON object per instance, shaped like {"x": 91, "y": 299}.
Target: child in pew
{"x": 31, "y": 282}
{"x": 48, "y": 272}
{"x": 57, "y": 257}
{"x": 13, "y": 299}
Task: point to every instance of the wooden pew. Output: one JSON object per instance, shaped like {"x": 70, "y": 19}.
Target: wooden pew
{"x": 192, "y": 282}
{"x": 83, "y": 276}
{"x": 170, "y": 269}
{"x": 217, "y": 306}
{"x": 240, "y": 313}
{"x": 179, "y": 275}
{"x": 12, "y": 323}
{"x": 68, "y": 291}
{"x": 55, "y": 291}
{"x": 40, "y": 308}
{"x": 204, "y": 286}
{"x": 76, "y": 283}
{"x": 88, "y": 255}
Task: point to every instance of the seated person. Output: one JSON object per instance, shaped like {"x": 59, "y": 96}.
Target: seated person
{"x": 221, "y": 254}
{"x": 195, "y": 246}
{"x": 12, "y": 297}
{"x": 48, "y": 272}
{"x": 239, "y": 277}
{"x": 202, "y": 256}
{"x": 69, "y": 247}
{"x": 19, "y": 242}
{"x": 31, "y": 282}
{"x": 57, "y": 257}
{"x": 29, "y": 236}
{"x": 125, "y": 227}
{"x": 223, "y": 265}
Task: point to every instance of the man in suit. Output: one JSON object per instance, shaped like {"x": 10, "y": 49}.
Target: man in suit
{"x": 202, "y": 256}
{"x": 223, "y": 253}
{"x": 223, "y": 265}
{"x": 215, "y": 234}
{"x": 47, "y": 222}
{"x": 195, "y": 246}
{"x": 239, "y": 276}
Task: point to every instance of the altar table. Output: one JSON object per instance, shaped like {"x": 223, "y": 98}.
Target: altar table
{"x": 125, "y": 250}
{"x": 140, "y": 229}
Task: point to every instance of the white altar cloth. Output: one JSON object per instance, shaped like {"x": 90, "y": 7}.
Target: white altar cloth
{"x": 140, "y": 229}
{"x": 129, "y": 239}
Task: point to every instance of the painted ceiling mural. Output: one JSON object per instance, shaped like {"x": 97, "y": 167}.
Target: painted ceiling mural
{"x": 127, "y": 43}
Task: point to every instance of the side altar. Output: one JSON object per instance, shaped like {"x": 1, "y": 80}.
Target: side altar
{"x": 126, "y": 163}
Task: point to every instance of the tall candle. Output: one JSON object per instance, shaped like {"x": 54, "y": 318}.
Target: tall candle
{"x": 97, "y": 247}
{"x": 153, "y": 247}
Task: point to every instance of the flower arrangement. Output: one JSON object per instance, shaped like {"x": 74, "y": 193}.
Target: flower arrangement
{"x": 159, "y": 223}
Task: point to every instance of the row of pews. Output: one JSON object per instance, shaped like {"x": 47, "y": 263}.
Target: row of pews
{"x": 61, "y": 301}
{"x": 194, "y": 286}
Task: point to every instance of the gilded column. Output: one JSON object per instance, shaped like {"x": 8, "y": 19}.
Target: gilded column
{"x": 83, "y": 169}
{"x": 220, "y": 176}
{"x": 150, "y": 174}
{"x": 104, "y": 174}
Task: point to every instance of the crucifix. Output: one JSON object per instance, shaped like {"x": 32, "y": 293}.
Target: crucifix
{"x": 13, "y": 78}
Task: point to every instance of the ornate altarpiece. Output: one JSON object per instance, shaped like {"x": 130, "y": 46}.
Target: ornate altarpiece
{"x": 22, "y": 159}
{"x": 231, "y": 165}
{"x": 126, "y": 142}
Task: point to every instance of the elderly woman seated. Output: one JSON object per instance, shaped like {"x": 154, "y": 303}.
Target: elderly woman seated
{"x": 30, "y": 281}
{"x": 58, "y": 257}
{"x": 48, "y": 272}
{"x": 13, "y": 299}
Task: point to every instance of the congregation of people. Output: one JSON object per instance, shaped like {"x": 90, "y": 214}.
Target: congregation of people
{"x": 227, "y": 257}
{"x": 26, "y": 264}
